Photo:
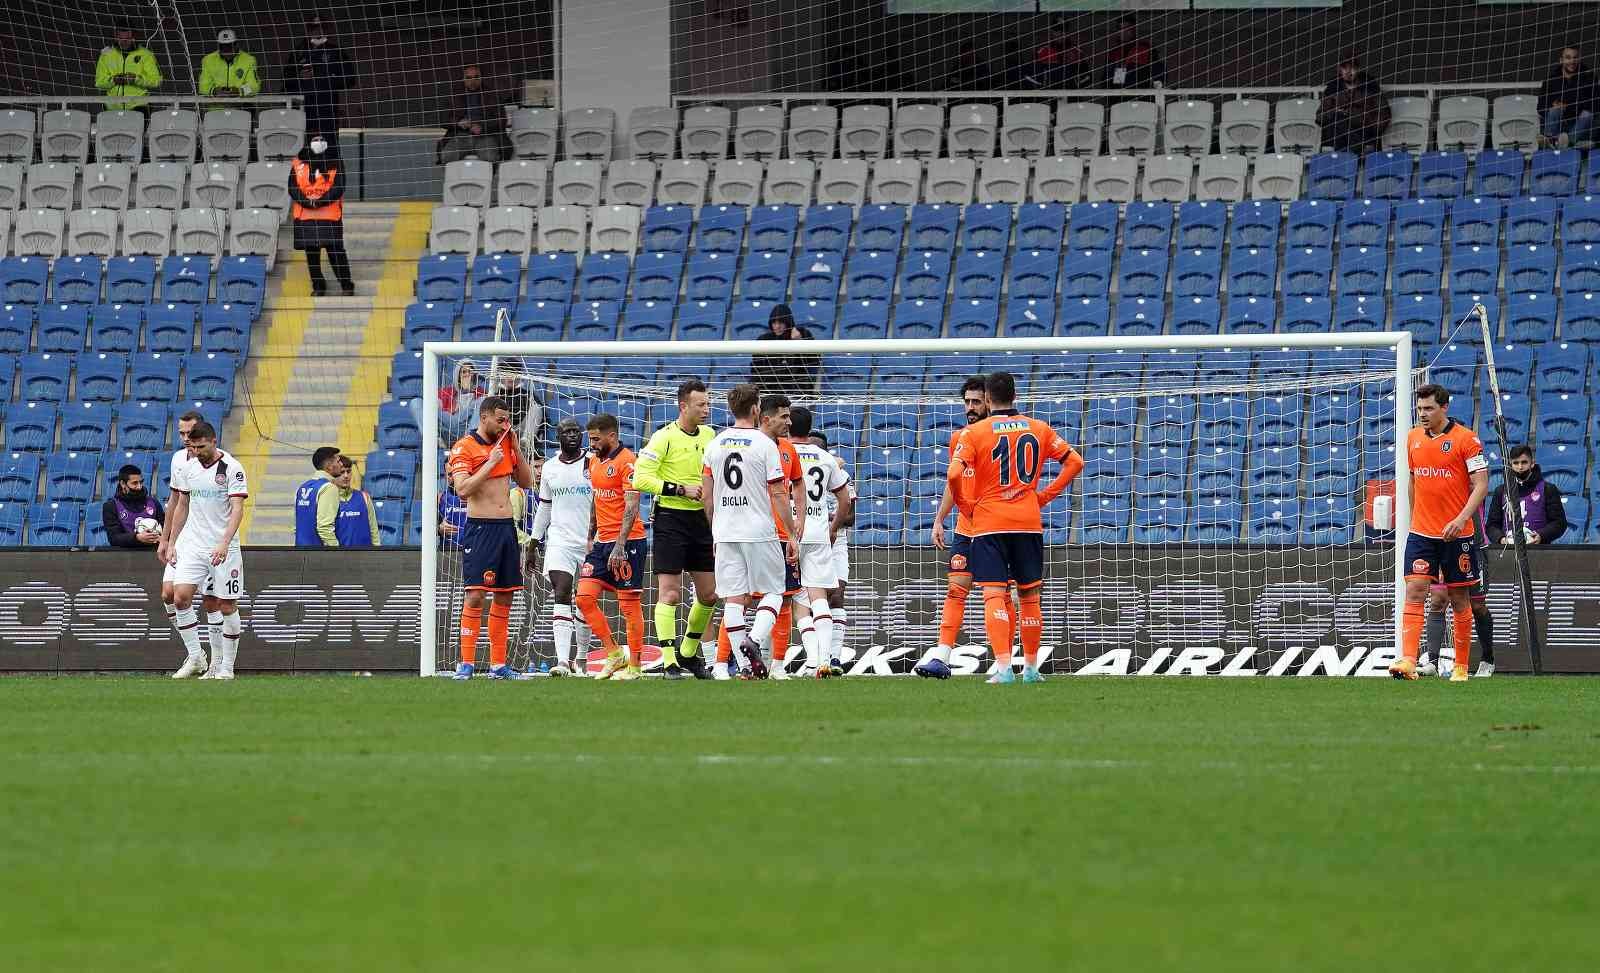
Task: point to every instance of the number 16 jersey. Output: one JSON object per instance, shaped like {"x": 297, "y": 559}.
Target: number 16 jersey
{"x": 999, "y": 459}
{"x": 743, "y": 463}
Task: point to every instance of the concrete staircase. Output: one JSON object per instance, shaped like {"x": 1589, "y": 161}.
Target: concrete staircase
{"x": 318, "y": 368}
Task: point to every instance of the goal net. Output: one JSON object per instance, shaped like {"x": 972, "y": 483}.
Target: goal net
{"x": 1223, "y": 523}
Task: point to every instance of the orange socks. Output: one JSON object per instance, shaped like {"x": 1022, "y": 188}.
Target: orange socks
{"x": 1461, "y": 628}
{"x": 499, "y": 625}
{"x": 724, "y": 647}
{"x": 781, "y": 630}
{"x": 589, "y": 605}
{"x": 1031, "y": 619}
{"x": 955, "y": 605}
{"x": 471, "y": 619}
{"x": 997, "y": 622}
{"x": 1411, "y": 629}
{"x": 633, "y": 619}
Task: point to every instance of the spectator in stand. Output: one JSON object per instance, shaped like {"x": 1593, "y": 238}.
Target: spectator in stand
{"x": 316, "y": 188}
{"x": 228, "y": 72}
{"x": 1059, "y": 64}
{"x": 1566, "y": 101}
{"x": 129, "y": 514}
{"x": 458, "y": 403}
{"x": 1543, "y": 515}
{"x": 354, "y": 521}
{"x": 522, "y": 403}
{"x": 785, "y": 374}
{"x": 321, "y": 72}
{"x": 476, "y": 122}
{"x": 1135, "y": 62}
{"x": 1352, "y": 113}
{"x": 127, "y": 70}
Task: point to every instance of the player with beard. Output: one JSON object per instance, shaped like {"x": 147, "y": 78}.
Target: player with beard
{"x": 936, "y": 664}
{"x": 561, "y": 528}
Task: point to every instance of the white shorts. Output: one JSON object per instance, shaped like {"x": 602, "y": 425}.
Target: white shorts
{"x": 169, "y": 575}
{"x": 559, "y": 557}
{"x": 841, "y": 559}
{"x": 746, "y": 566}
{"x": 817, "y": 567}
{"x": 225, "y": 580}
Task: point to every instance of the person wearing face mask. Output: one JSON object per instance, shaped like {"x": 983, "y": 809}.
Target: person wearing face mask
{"x": 130, "y": 513}
{"x": 228, "y": 72}
{"x": 127, "y": 69}
{"x": 475, "y": 122}
{"x": 320, "y": 71}
{"x": 316, "y": 188}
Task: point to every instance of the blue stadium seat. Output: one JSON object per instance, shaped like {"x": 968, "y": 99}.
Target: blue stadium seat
{"x": 897, "y": 372}
{"x": 1307, "y": 271}
{"x": 720, "y": 229}
{"x": 391, "y": 517}
{"x": 749, "y": 319}
{"x": 1455, "y": 367}
{"x": 1365, "y": 223}
{"x": 1252, "y": 272}
{"x": 1034, "y": 273}
{"x": 665, "y": 228}
{"x": 1563, "y": 418}
{"x": 1093, "y": 226}
{"x": 243, "y": 280}
{"x": 1580, "y": 268}
{"x": 1363, "y": 271}
{"x": 86, "y": 426}
{"x": 1171, "y": 367}
{"x": 100, "y": 376}
{"x": 1514, "y": 364}
{"x": 1328, "y": 520}
{"x": 1353, "y": 313}
{"x": 1441, "y": 175}
{"x": 70, "y": 477}
{"x": 827, "y": 228}
{"x": 881, "y": 227}
{"x": 54, "y": 524}
{"x": 31, "y": 426}
{"x": 552, "y": 276}
{"x": 22, "y": 279}
{"x": 766, "y": 277}
{"x": 1196, "y": 315}
{"x": 1421, "y": 315}
{"x": 131, "y": 280}
{"x": 1580, "y": 221}
{"x": 1105, "y": 518}
{"x": 1312, "y": 222}
{"x": 1041, "y": 226}
{"x": 77, "y": 280}
{"x": 1140, "y": 316}
{"x": 1307, "y": 315}
{"x": 1516, "y": 409}
{"x": 1530, "y": 270}
{"x": 603, "y": 277}
{"x": 1474, "y": 270}
{"x": 647, "y": 321}
{"x": 142, "y": 425}
{"x": 1562, "y": 465}
{"x": 657, "y": 276}
{"x": 1148, "y": 226}
{"x": 817, "y": 275}
{"x": 169, "y": 327}
{"x": 63, "y": 328}
{"x": 428, "y": 322}
{"x": 1332, "y": 175}
{"x": 773, "y": 229}
{"x": 12, "y": 518}
{"x": 1086, "y": 273}
{"x": 1161, "y": 469}
{"x": 1555, "y": 172}
{"x": 442, "y": 277}
{"x": 209, "y": 379}
{"x": 116, "y": 327}
{"x": 870, "y": 275}
{"x": 1256, "y": 224}
{"x": 112, "y": 460}
{"x": 986, "y": 226}
{"x": 390, "y": 474}
{"x": 1215, "y": 519}
{"x": 912, "y": 319}
{"x": 979, "y": 274}
{"x": 850, "y": 375}
{"x": 397, "y": 427}
{"x": 1475, "y": 222}
{"x": 1580, "y": 317}
{"x": 1499, "y": 173}
{"x": 881, "y": 521}
{"x": 44, "y": 376}
{"x": 1472, "y": 332}
{"x": 1143, "y": 273}
{"x": 703, "y": 321}
{"x": 1275, "y": 470}
{"x": 186, "y": 279}
{"x": 925, "y": 274}
{"x": 405, "y": 375}
{"x": 933, "y": 227}
{"x": 1418, "y": 270}
{"x": 710, "y": 277}
{"x": 1030, "y": 317}
{"x": 1080, "y": 317}
{"x": 1169, "y": 420}
{"x": 1197, "y": 273}
{"x": 496, "y": 277}
{"x": 1387, "y": 176}
{"x": 154, "y": 377}
{"x": 1419, "y": 223}
{"x": 1251, "y": 315}
{"x": 1111, "y": 421}
{"x": 593, "y": 321}
{"x": 818, "y": 317}
{"x": 20, "y": 473}
{"x": 870, "y": 319}
{"x": 974, "y": 318}
{"x": 225, "y": 327}
{"x": 94, "y": 529}
{"x": 16, "y": 328}
{"x": 1201, "y": 225}
{"x": 1532, "y": 221}
{"x": 1160, "y": 518}
{"x": 478, "y": 321}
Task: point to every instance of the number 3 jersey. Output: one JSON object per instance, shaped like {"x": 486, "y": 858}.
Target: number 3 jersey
{"x": 743, "y": 463}
{"x": 822, "y": 475}
{"x": 999, "y": 459}
{"x": 209, "y": 489}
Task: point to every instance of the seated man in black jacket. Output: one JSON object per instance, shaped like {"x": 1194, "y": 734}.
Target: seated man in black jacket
{"x": 1566, "y": 101}
{"x": 129, "y": 514}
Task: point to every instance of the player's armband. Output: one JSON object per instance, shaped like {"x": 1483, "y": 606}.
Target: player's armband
{"x": 1476, "y": 463}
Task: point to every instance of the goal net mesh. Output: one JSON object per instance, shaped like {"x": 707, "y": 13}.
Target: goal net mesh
{"x": 1224, "y": 506}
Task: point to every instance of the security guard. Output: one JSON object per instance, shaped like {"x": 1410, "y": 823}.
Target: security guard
{"x": 128, "y": 70}
{"x": 228, "y": 72}
{"x": 316, "y": 186}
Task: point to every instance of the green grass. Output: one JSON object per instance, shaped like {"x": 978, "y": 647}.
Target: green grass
{"x": 881, "y": 825}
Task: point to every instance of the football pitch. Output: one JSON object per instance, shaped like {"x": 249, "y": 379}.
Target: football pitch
{"x": 860, "y": 824}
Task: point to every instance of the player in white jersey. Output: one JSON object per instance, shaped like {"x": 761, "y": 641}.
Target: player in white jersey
{"x": 208, "y": 494}
{"x": 566, "y": 501}
{"x": 824, "y": 479}
{"x": 745, "y": 499}
{"x": 192, "y": 665}
{"x": 841, "y": 557}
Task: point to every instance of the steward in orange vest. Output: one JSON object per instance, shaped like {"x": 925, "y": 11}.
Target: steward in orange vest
{"x": 316, "y": 187}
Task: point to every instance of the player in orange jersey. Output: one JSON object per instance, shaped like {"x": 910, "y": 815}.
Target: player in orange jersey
{"x": 481, "y": 467}
{"x": 1449, "y": 479}
{"x": 615, "y": 563}
{"x": 936, "y": 664}
{"x": 994, "y": 475}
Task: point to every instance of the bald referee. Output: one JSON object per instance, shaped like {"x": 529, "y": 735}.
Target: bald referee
{"x": 669, "y": 467}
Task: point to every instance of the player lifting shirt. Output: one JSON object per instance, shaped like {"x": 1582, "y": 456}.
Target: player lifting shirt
{"x": 616, "y": 560}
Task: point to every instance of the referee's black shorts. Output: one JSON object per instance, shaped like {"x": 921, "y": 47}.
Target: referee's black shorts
{"x": 681, "y": 541}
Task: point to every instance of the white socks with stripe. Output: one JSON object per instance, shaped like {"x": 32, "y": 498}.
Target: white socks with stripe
{"x": 822, "y": 621}
{"x": 188, "y": 625}
{"x": 562, "y": 627}
{"x": 232, "y": 627}
{"x": 766, "y": 617}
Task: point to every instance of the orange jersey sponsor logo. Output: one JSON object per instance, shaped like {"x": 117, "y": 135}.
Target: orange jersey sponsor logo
{"x": 999, "y": 460}
{"x": 963, "y": 522}
{"x": 1441, "y": 477}
{"x": 472, "y": 451}
{"x": 793, "y": 472}
{"x": 612, "y": 478}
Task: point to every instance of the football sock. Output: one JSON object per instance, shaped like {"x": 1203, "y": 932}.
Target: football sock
{"x": 172, "y": 615}
{"x": 582, "y": 636}
{"x": 232, "y": 626}
{"x": 822, "y": 622}
{"x": 841, "y": 620}
{"x": 666, "y": 619}
{"x": 781, "y": 630}
{"x": 955, "y": 606}
{"x": 766, "y": 617}
{"x": 808, "y": 638}
{"x": 1411, "y": 630}
{"x": 471, "y": 620}
{"x": 589, "y": 605}
{"x": 561, "y": 626}
{"x": 1031, "y": 620}
{"x": 188, "y": 626}
{"x": 214, "y": 632}
{"x": 1433, "y": 633}
{"x": 633, "y": 619}
{"x": 695, "y": 630}
{"x": 724, "y": 647}
{"x": 732, "y": 629}
{"x": 499, "y": 626}
{"x": 1484, "y": 623}
{"x": 997, "y": 623}
{"x": 1461, "y": 625}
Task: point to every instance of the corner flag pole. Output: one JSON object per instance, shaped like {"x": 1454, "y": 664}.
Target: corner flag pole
{"x": 1530, "y": 624}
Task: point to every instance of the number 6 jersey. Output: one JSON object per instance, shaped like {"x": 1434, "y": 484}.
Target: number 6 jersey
{"x": 742, "y": 464}
{"x": 999, "y": 460}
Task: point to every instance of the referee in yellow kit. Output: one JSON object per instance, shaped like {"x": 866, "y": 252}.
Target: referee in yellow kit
{"x": 669, "y": 467}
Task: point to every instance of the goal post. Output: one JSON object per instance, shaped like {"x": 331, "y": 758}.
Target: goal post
{"x": 1292, "y": 422}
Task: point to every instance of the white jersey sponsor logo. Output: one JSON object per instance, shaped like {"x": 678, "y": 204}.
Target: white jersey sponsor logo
{"x": 743, "y": 463}
{"x": 209, "y": 489}
{"x": 823, "y": 476}
{"x": 566, "y": 488}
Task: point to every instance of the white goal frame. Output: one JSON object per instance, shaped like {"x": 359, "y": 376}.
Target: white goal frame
{"x": 432, "y": 351}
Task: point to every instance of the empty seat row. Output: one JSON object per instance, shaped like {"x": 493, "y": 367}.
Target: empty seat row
{"x": 50, "y": 233}
{"x": 31, "y": 427}
{"x": 85, "y": 280}
{"x": 172, "y": 135}
{"x": 110, "y": 377}
{"x": 159, "y": 185}
{"x": 116, "y": 328}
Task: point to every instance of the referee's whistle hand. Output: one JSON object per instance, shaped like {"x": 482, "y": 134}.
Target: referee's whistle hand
{"x": 690, "y": 490}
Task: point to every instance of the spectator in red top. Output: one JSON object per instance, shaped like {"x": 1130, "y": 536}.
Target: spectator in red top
{"x": 1135, "y": 62}
{"x": 1059, "y": 64}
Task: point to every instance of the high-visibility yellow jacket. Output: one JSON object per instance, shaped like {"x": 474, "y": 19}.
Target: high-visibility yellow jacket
{"x": 139, "y": 62}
